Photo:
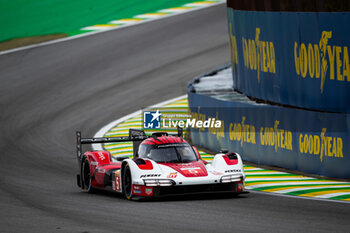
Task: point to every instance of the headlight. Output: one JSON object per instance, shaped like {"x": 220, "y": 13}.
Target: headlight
{"x": 158, "y": 182}
{"x": 230, "y": 178}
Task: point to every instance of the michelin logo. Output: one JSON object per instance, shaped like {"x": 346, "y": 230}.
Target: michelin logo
{"x": 151, "y": 120}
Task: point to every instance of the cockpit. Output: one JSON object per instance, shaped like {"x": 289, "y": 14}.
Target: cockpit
{"x": 168, "y": 153}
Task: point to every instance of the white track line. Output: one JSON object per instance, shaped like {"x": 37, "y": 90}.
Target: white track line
{"x": 333, "y": 195}
{"x": 300, "y": 197}
{"x": 101, "y": 31}
{"x": 291, "y": 189}
{"x": 292, "y": 183}
{"x": 277, "y": 179}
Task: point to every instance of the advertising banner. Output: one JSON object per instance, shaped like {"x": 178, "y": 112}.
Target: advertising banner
{"x": 308, "y": 141}
{"x": 292, "y": 58}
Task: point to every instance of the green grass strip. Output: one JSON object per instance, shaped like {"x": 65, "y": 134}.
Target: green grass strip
{"x": 26, "y": 18}
{"x": 342, "y": 197}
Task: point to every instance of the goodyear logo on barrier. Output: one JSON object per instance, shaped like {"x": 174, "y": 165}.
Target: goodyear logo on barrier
{"x": 258, "y": 55}
{"x": 314, "y": 60}
{"x": 321, "y": 145}
{"x": 242, "y": 132}
{"x": 233, "y": 47}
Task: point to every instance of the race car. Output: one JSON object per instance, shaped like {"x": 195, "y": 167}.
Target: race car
{"x": 162, "y": 165}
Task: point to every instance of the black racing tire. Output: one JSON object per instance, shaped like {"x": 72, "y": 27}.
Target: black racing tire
{"x": 86, "y": 176}
{"x": 127, "y": 182}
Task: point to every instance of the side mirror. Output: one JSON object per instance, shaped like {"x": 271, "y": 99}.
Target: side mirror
{"x": 224, "y": 151}
{"x": 180, "y": 132}
{"x": 122, "y": 158}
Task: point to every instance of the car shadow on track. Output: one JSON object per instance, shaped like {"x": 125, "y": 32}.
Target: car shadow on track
{"x": 197, "y": 197}
{"x": 182, "y": 197}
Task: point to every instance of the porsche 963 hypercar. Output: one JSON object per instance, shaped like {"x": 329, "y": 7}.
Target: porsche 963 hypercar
{"x": 162, "y": 165}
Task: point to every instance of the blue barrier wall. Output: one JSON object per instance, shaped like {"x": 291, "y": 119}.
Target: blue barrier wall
{"x": 308, "y": 141}
{"x": 292, "y": 58}
{"x": 293, "y": 53}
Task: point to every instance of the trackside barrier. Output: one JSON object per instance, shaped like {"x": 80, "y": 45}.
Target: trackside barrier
{"x": 283, "y": 54}
{"x": 307, "y": 141}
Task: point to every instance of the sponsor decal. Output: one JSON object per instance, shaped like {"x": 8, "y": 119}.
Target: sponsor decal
{"x": 149, "y": 191}
{"x": 93, "y": 163}
{"x": 101, "y": 156}
{"x": 137, "y": 189}
{"x": 233, "y": 170}
{"x": 117, "y": 180}
{"x": 172, "y": 175}
{"x": 150, "y": 175}
{"x": 240, "y": 186}
{"x": 217, "y": 173}
{"x": 101, "y": 170}
{"x": 191, "y": 169}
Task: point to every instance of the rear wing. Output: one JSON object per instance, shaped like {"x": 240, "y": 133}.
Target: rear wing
{"x": 132, "y": 138}
{"x": 136, "y": 136}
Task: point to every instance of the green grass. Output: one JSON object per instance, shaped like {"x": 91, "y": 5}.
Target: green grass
{"x": 27, "y": 18}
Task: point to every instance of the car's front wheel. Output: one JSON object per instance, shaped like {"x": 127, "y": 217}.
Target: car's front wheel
{"x": 127, "y": 182}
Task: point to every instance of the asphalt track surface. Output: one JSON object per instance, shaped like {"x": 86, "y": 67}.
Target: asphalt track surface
{"x": 49, "y": 92}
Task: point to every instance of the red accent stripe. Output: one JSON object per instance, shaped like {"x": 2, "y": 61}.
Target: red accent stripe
{"x": 156, "y": 141}
{"x": 162, "y": 139}
{"x": 148, "y": 142}
{"x": 171, "y": 140}
{"x": 147, "y": 166}
{"x": 230, "y": 161}
{"x": 193, "y": 169}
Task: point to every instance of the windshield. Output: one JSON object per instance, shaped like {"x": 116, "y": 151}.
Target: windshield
{"x": 170, "y": 154}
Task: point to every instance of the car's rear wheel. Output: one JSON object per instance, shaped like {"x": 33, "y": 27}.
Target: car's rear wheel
{"x": 127, "y": 182}
{"x": 86, "y": 176}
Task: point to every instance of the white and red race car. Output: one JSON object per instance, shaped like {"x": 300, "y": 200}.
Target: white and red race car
{"x": 162, "y": 165}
